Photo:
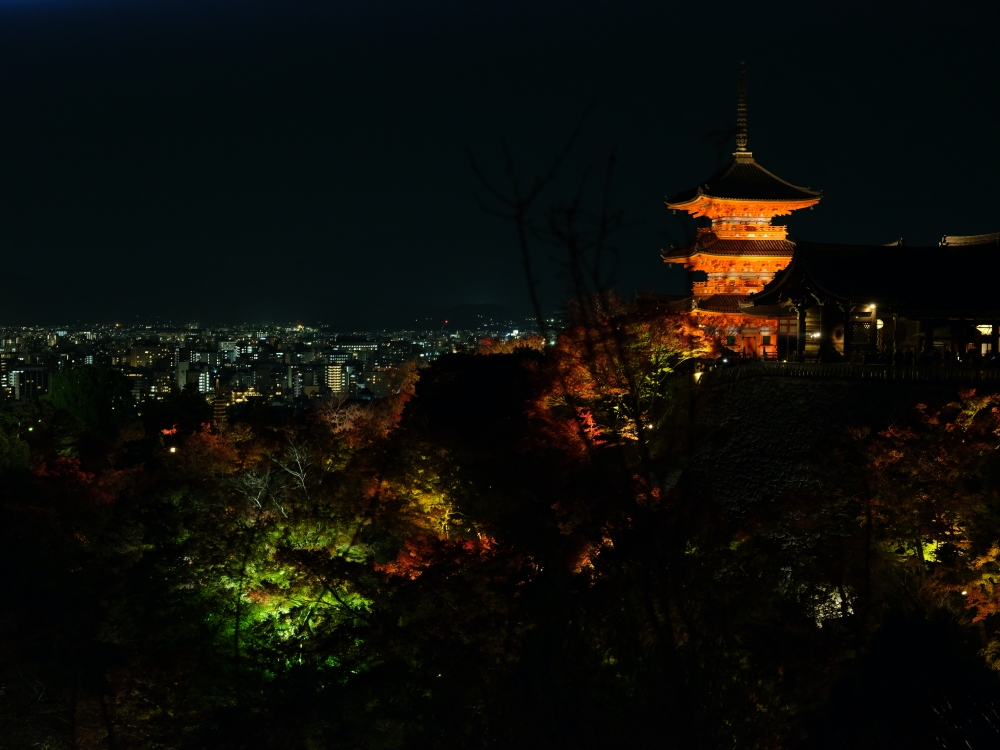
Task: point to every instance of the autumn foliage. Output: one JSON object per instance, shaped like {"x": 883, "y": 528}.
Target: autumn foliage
{"x": 614, "y": 370}
{"x": 510, "y": 345}
{"x": 506, "y": 551}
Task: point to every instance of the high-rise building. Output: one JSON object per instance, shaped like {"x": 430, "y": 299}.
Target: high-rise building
{"x": 161, "y": 385}
{"x": 213, "y": 359}
{"x": 137, "y": 383}
{"x": 339, "y": 358}
{"x": 228, "y": 351}
{"x": 377, "y": 381}
{"x": 361, "y": 349}
{"x": 337, "y": 378}
{"x": 294, "y": 382}
{"x": 28, "y": 383}
{"x": 146, "y": 356}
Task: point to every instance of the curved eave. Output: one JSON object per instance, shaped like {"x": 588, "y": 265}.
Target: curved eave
{"x": 817, "y": 194}
{"x": 724, "y": 313}
{"x": 744, "y": 177}
{"x": 690, "y": 258}
{"x": 763, "y": 256}
{"x": 771, "y": 206}
{"x": 710, "y": 245}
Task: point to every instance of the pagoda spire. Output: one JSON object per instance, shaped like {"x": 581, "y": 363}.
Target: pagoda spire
{"x": 742, "y": 198}
{"x": 741, "y": 112}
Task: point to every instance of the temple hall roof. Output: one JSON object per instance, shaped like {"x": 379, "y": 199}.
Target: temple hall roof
{"x": 745, "y": 179}
{"x": 710, "y": 244}
{"x": 941, "y": 281}
{"x": 970, "y": 239}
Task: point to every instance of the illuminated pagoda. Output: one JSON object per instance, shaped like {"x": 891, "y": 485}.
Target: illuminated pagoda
{"x": 742, "y": 249}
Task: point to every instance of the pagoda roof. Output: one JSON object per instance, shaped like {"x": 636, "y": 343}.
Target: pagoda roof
{"x": 745, "y": 179}
{"x": 943, "y": 281}
{"x": 722, "y": 303}
{"x": 710, "y": 244}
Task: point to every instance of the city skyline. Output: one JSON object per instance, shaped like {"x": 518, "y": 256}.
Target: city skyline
{"x": 235, "y": 367}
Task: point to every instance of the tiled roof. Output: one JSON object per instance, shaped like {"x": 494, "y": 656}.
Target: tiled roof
{"x": 724, "y": 303}
{"x": 948, "y": 281}
{"x": 970, "y": 239}
{"x": 745, "y": 179}
{"x": 767, "y": 311}
{"x": 710, "y": 244}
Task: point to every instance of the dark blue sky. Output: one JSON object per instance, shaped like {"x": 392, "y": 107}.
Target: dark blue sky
{"x": 299, "y": 159}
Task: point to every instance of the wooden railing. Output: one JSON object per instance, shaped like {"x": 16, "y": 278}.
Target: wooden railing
{"x": 850, "y": 371}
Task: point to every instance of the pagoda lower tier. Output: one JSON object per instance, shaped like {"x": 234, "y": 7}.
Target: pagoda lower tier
{"x": 731, "y": 266}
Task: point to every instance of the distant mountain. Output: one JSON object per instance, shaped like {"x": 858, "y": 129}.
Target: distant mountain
{"x": 466, "y": 316}
{"x": 454, "y": 318}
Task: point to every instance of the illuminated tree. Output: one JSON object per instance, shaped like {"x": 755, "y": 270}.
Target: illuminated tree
{"x": 619, "y": 367}
{"x": 510, "y": 345}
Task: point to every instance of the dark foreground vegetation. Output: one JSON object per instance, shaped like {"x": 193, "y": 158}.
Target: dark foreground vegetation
{"x": 506, "y": 553}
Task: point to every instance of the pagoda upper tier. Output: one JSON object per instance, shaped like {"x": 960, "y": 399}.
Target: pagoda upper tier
{"x": 742, "y": 199}
{"x": 742, "y": 250}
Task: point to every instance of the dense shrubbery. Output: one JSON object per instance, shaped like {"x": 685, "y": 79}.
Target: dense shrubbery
{"x": 498, "y": 555}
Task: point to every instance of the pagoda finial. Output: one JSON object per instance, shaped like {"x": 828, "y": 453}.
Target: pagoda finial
{"x": 741, "y": 112}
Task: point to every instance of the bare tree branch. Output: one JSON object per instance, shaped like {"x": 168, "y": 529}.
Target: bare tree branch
{"x": 296, "y": 462}
{"x": 519, "y": 205}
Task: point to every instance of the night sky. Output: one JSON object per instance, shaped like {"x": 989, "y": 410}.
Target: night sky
{"x": 230, "y": 161}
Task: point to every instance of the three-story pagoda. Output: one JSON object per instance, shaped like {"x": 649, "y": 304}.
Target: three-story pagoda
{"x": 742, "y": 249}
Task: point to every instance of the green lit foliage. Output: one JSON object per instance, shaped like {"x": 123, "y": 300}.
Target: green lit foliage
{"x": 472, "y": 561}
{"x": 928, "y": 497}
